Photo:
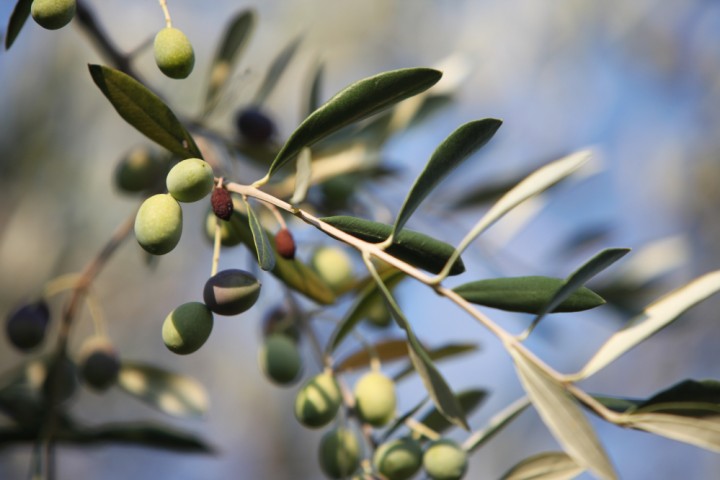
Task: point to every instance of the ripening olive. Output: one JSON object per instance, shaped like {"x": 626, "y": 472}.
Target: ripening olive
{"x": 254, "y": 125}
{"x": 53, "y": 14}
{"x": 190, "y": 180}
{"x": 333, "y": 265}
{"x": 174, "y": 53}
{"x": 99, "y": 363}
{"x": 444, "y": 459}
{"x": 26, "y": 325}
{"x": 318, "y": 401}
{"x": 375, "y": 399}
{"x": 139, "y": 169}
{"x": 281, "y": 321}
{"x": 280, "y": 359}
{"x": 398, "y": 459}
{"x": 231, "y": 292}
{"x": 158, "y": 224}
{"x": 187, "y": 327}
{"x": 285, "y": 244}
{"x": 339, "y": 453}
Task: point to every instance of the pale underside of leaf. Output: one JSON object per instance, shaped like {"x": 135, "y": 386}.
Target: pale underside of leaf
{"x": 535, "y": 183}
{"x": 303, "y": 175}
{"x": 562, "y": 415}
{"x": 169, "y": 392}
{"x": 702, "y": 431}
{"x": 545, "y": 466}
{"x": 655, "y": 317}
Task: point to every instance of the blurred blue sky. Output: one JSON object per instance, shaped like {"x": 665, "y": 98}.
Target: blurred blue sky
{"x": 638, "y": 82}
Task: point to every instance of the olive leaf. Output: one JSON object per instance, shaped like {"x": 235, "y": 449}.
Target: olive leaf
{"x": 234, "y": 40}
{"x": 655, "y": 317}
{"x": 386, "y": 351}
{"x": 496, "y": 423}
{"x": 530, "y": 294}
{"x": 169, "y": 392}
{"x": 18, "y": 17}
{"x": 400, "y": 421}
{"x": 144, "y": 110}
{"x": 469, "y": 400}
{"x": 412, "y": 247}
{"x": 545, "y": 466}
{"x": 277, "y": 67}
{"x": 457, "y": 147}
{"x": 263, "y": 249}
{"x": 315, "y": 84}
{"x": 369, "y": 294}
{"x": 436, "y": 386}
{"x": 355, "y": 102}
{"x": 562, "y": 415}
{"x": 537, "y": 182}
{"x": 303, "y": 176}
{"x": 443, "y": 352}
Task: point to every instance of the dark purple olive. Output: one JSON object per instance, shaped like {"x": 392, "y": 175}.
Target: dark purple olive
{"x": 254, "y": 125}
{"x": 26, "y": 325}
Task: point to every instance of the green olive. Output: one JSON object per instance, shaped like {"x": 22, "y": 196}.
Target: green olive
{"x": 53, "y": 14}
{"x": 318, "y": 401}
{"x": 190, "y": 180}
{"x": 99, "y": 363}
{"x": 398, "y": 459}
{"x": 375, "y": 399}
{"x": 377, "y": 313}
{"x": 231, "y": 292}
{"x": 280, "y": 359}
{"x": 339, "y": 453}
{"x": 158, "y": 224}
{"x": 334, "y": 266}
{"x": 140, "y": 169}
{"x": 187, "y": 328}
{"x": 444, "y": 459}
{"x": 174, "y": 53}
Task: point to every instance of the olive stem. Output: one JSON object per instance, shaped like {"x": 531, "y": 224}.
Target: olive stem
{"x": 166, "y": 12}
{"x": 216, "y": 248}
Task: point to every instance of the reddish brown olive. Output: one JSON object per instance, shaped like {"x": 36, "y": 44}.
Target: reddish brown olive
{"x": 285, "y": 244}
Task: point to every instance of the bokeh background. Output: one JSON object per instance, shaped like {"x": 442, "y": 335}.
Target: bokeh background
{"x": 638, "y": 82}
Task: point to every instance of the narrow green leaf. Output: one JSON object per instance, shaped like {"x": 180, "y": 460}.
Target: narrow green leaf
{"x": 263, "y": 249}
{"x": 400, "y": 421}
{"x": 545, "y": 466}
{"x": 496, "y": 424}
{"x": 562, "y": 415}
{"x": 293, "y": 273}
{"x": 233, "y": 42}
{"x": 443, "y": 352}
{"x": 469, "y": 400}
{"x": 369, "y": 295}
{"x": 19, "y": 15}
{"x": 355, "y": 102}
{"x": 144, "y": 110}
{"x": 314, "y": 94}
{"x": 277, "y": 67}
{"x": 436, "y": 386}
{"x": 412, "y": 247}
{"x": 655, "y": 317}
{"x": 303, "y": 176}
{"x": 169, "y": 392}
{"x": 526, "y": 294}
{"x": 385, "y": 350}
{"x": 457, "y": 147}
{"x": 687, "y": 395}
{"x": 537, "y": 182}
{"x": 577, "y": 279}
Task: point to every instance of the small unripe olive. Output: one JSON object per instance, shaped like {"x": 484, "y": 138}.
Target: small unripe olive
{"x": 339, "y": 453}
{"x": 158, "y": 224}
{"x": 231, "y": 292}
{"x": 60, "y": 382}
{"x": 444, "y": 459}
{"x": 174, "y": 53}
{"x": 99, "y": 363}
{"x": 53, "y": 14}
{"x": 285, "y": 244}
{"x": 254, "y": 125}
{"x": 280, "y": 359}
{"x": 333, "y": 265}
{"x": 377, "y": 313}
{"x": 230, "y": 235}
{"x": 318, "y": 401}
{"x": 375, "y": 399}
{"x": 398, "y": 459}
{"x": 281, "y": 321}
{"x": 26, "y": 325}
{"x": 139, "y": 169}
{"x": 190, "y": 180}
{"x": 187, "y": 328}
